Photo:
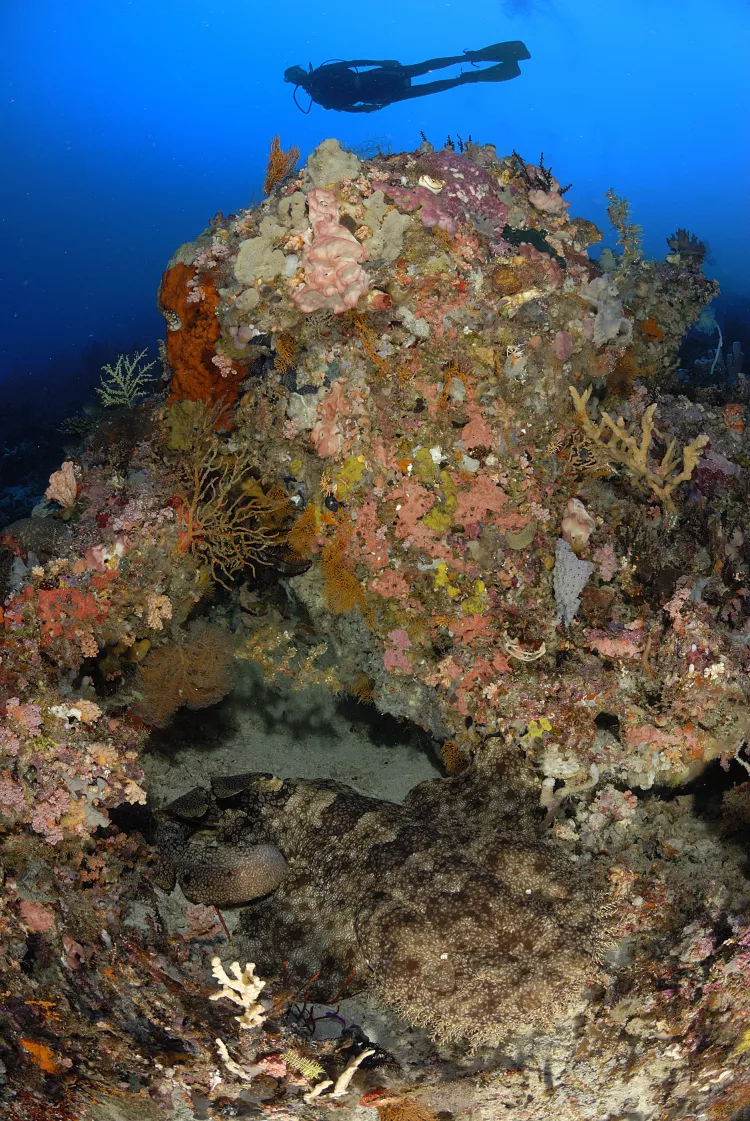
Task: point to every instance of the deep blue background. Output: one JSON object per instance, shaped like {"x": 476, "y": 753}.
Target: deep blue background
{"x": 126, "y": 124}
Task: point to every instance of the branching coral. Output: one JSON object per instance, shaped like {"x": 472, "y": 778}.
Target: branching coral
{"x": 127, "y": 382}
{"x": 686, "y": 247}
{"x": 220, "y": 519}
{"x": 243, "y": 990}
{"x": 280, "y": 163}
{"x": 628, "y": 233}
{"x": 536, "y": 178}
{"x": 635, "y": 452}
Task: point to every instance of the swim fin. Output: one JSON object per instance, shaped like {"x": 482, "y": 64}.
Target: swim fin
{"x": 502, "y": 72}
{"x": 512, "y": 51}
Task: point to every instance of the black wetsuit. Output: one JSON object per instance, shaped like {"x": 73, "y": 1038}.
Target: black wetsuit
{"x": 346, "y": 87}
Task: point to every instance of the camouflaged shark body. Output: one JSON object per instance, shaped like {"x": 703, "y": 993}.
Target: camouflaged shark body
{"x": 224, "y": 875}
{"x": 448, "y": 906}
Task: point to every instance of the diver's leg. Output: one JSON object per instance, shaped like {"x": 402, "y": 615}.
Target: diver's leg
{"x": 418, "y": 68}
{"x": 503, "y": 72}
{"x": 511, "y": 51}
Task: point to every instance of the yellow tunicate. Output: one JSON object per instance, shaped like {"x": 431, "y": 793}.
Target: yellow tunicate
{"x": 351, "y": 473}
{"x": 425, "y": 468}
{"x": 440, "y": 517}
{"x": 443, "y": 579}
{"x": 537, "y": 728}
{"x": 476, "y": 603}
{"x": 441, "y": 575}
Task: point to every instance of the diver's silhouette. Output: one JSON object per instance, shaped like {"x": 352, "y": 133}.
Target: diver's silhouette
{"x": 343, "y": 86}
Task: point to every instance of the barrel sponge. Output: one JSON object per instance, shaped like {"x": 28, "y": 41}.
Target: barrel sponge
{"x": 257, "y": 259}
{"x": 329, "y": 164}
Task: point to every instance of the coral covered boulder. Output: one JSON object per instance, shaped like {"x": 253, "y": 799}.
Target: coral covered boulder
{"x": 438, "y": 373}
{"x": 422, "y": 450}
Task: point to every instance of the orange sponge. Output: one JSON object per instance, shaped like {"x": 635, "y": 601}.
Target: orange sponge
{"x": 191, "y": 347}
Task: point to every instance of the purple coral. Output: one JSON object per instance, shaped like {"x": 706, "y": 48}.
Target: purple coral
{"x": 468, "y": 194}
{"x": 409, "y": 198}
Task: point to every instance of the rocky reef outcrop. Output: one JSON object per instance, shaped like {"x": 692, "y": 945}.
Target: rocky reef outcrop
{"x": 421, "y": 450}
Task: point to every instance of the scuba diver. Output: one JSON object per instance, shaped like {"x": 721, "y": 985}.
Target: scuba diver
{"x": 343, "y": 86}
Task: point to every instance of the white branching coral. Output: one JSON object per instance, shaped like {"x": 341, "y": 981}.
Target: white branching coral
{"x": 127, "y": 382}
{"x": 342, "y": 1082}
{"x": 246, "y": 1074}
{"x": 243, "y": 990}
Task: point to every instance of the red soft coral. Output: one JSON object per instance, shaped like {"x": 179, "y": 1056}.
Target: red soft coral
{"x": 62, "y": 610}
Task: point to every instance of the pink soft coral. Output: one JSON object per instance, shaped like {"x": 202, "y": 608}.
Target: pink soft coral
{"x": 36, "y": 917}
{"x": 333, "y": 277}
{"x": 11, "y": 794}
{"x": 395, "y": 656}
{"x": 28, "y": 716}
{"x": 47, "y": 813}
{"x": 326, "y": 436}
{"x": 483, "y": 497}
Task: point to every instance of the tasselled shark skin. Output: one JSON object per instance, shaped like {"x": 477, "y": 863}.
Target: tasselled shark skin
{"x": 450, "y": 907}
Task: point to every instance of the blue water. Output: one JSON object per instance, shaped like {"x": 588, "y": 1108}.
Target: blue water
{"x": 126, "y": 124}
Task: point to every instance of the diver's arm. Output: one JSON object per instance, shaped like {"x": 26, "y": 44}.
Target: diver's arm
{"x": 374, "y": 62}
{"x": 367, "y": 107}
